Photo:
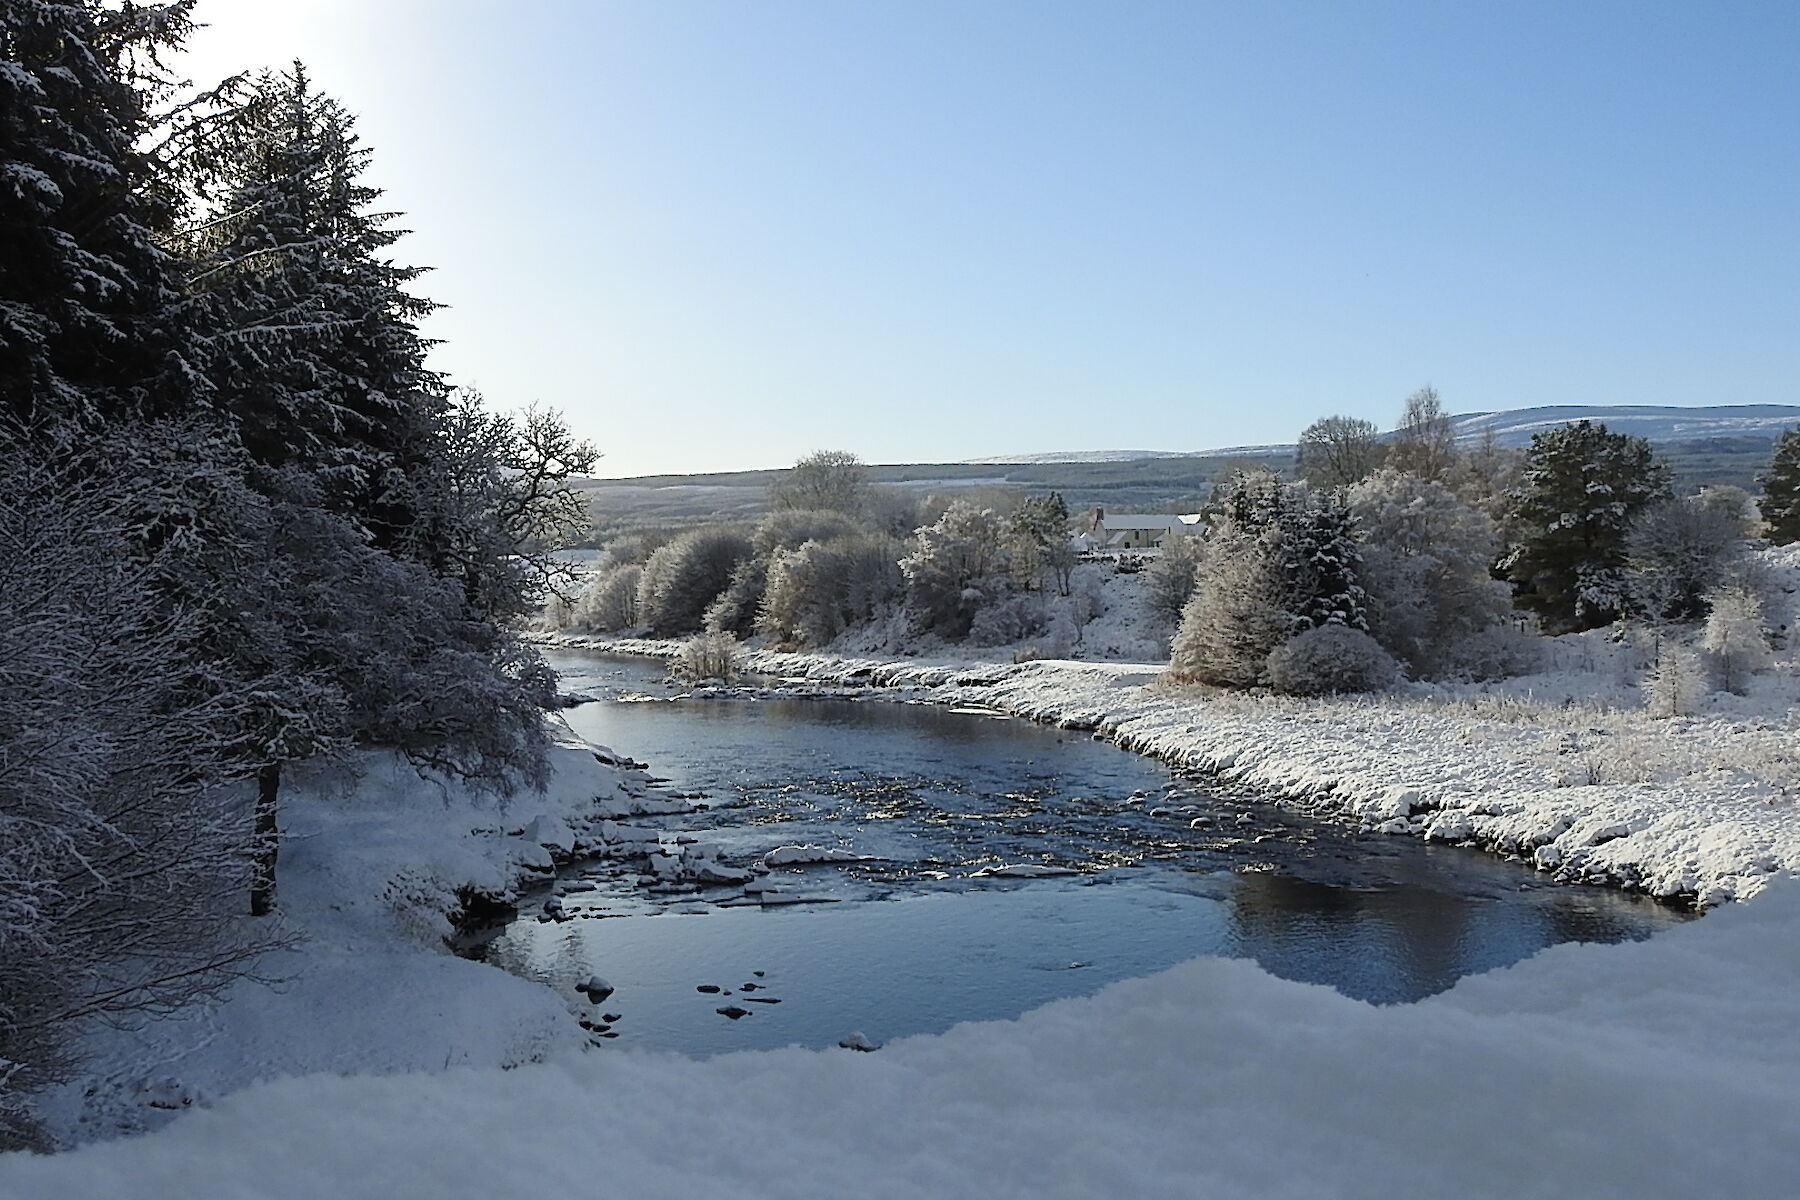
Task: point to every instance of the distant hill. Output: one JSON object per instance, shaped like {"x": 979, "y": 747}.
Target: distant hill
{"x": 1660, "y": 424}
{"x": 1514, "y": 427}
{"x": 1712, "y": 445}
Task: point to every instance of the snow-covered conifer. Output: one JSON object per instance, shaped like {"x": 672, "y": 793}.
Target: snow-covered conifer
{"x": 1780, "y": 500}
{"x": 1580, "y": 488}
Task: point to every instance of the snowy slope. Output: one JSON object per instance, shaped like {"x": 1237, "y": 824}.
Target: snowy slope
{"x": 1657, "y": 423}
{"x": 1514, "y": 427}
{"x": 1658, "y": 1068}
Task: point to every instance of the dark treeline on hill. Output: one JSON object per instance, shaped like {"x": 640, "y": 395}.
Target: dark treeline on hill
{"x": 1159, "y": 484}
{"x": 241, "y": 522}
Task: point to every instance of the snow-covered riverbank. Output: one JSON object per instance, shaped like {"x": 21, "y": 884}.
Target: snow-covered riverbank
{"x": 1664, "y": 1067}
{"x": 1705, "y": 807}
{"x": 376, "y": 864}
{"x": 384, "y": 1067}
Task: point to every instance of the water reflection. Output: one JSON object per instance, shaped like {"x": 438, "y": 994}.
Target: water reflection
{"x": 1172, "y": 868}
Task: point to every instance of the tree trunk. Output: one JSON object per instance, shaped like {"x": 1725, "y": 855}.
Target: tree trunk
{"x": 262, "y": 880}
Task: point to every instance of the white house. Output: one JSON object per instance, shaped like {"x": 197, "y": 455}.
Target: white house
{"x": 1133, "y": 533}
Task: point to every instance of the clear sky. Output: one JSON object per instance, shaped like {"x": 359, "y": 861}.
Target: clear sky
{"x": 723, "y": 234}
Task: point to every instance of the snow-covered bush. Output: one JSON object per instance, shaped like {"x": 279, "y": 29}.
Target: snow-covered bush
{"x": 609, "y": 601}
{"x": 706, "y": 656}
{"x": 686, "y": 575}
{"x": 1330, "y": 659}
{"x": 1733, "y": 639}
{"x": 1426, "y": 557}
{"x": 817, "y": 590}
{"x": 953, "y": 566}
{"x": 1498, "y": 653}
{"x": 1170, "y": 580}
{"x": 786, "y": 529}
{"x": 1279, "y": 559}
{"x": 735, "y": 609}
{"x": 1679, "y": 550}
{"x": 1008, "y": 620}
{"x": 1676, "y": 685}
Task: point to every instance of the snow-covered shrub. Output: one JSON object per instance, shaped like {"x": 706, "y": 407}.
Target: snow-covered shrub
{"x": 1425, "y": 566}
{"x": 735, "y": 609}
{"x": 609, "y": 602}
{"x": 1170, "y": 580}
{"x": 1330, "y": 659}
{"x": 1733, "y": 639}
{"x": 706, "y": 656}
{"x": 1008, "y": 620}
{"x": 686, "y": 575}
{"x": 1498, "y": 653}
{"x": 952, "y": 567}
{"x": 817, "y": 590}
{"x": 1676, "y": 685}
{"x": 1279, "y": 559}
{"x": 786, "y": 529}
{"x": 1679, "y": 550}
{"x": 1087, "y": 597}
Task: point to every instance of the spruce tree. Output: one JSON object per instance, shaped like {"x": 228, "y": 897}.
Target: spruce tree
{"x": 1569, "y": 516}
{"x": 88, "y": 328}
{"x": 1780, "y": 501}
{"x": 312, "y": 338}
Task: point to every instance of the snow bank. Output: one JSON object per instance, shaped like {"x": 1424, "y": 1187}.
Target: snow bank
{"x": 375, "y": 864}
{"x": 1665, "y": 1067}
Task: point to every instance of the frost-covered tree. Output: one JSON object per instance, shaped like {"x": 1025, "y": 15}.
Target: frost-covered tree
{"x": 1426, "y": 559}
{"x": 1170, "y": 579}
{"x": 609, "y": 602}
{"x": 1780, "y": 500}
{"x": 1337, "y": 451}
{"x": 952, "y": 567}
{"x": 824, "y": 479}
{"x": 1484, "y": 475}
{"x": 786, "y": 528}
{"x": 1038, "y": 544}
{"x": 124, "y": 854}
{"x": 1424, "y": 445}
{"x": 1734, "y": 639}
{"x": 310, "y": 346}
{"x": 685, "y": 576}
{"x": 88, "y": 327}
{"x": 1278, "y": 560}
{"x": 819, "y": 589}
{"x": 1679, "y": 550}
{"x": 1580, "y": 489}
{"x": 1676, "y": 684}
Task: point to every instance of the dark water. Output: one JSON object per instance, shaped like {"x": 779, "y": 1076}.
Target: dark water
{"x": 1161, "y": 869}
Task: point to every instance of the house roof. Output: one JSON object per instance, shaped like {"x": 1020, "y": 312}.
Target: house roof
{"x": 1111, "y": 522}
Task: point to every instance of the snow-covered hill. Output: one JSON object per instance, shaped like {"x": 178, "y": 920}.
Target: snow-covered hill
{"x": 1658, "y": 423}
{"x": 1514, "y": 427}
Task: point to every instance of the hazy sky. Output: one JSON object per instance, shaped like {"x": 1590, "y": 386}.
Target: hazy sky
{"x": 721, "y": 235}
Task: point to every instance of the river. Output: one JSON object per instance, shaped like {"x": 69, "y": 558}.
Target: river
{"x": 914, "y": 937}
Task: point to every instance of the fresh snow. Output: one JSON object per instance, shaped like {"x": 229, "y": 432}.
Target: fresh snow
{"x": 1655, "y": 1068}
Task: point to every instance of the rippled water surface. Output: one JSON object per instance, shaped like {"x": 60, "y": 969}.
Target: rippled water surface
{"x": 912, "y": 939}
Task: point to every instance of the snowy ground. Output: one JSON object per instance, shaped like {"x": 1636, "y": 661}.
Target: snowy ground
{"x": 370, "y": 867}
{"x": 1657, "y": 1068}
{"x": 381, "y": 1066}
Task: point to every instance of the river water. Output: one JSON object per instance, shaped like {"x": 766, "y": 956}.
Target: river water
{"x": 913, "y": 937}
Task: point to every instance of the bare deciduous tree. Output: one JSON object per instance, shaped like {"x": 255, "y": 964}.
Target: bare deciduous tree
{"x": 1338, "y": 451}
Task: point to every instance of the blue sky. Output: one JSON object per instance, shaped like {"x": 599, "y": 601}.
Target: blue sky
{"x": 721, "y": 235}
